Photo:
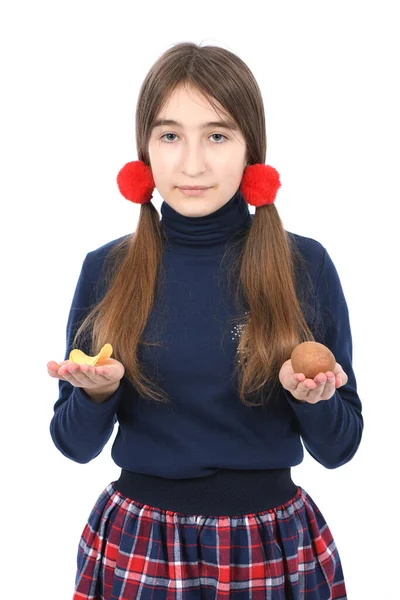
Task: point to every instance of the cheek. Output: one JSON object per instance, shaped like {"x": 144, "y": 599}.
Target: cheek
{"x": 163, "y": 160}
{"x": 232, "y": 162}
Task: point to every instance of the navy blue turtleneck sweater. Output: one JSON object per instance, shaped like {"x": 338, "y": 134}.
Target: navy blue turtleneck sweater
{"x": 207, "y": 427}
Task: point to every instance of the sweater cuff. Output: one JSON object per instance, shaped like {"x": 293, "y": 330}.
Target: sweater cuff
{"x": 306, "y": 407}
{"x": 108, "y": 405}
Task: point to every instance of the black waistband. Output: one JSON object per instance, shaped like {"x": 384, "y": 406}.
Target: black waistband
{"x": 225, "y": 493}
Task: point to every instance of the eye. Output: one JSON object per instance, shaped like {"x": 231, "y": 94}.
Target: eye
{"x": 165, "y": 134}
{"x": 220, "y": 134}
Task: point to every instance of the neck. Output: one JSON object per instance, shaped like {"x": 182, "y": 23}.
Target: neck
{"x": 208, "y": 233}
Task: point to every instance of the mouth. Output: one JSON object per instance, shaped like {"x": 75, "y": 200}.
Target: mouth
{"x": 193, "y": 187}
{"x": 193, "y": 191}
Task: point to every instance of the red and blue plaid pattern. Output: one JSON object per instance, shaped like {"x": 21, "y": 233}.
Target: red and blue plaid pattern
{"x": 131, "y": 550}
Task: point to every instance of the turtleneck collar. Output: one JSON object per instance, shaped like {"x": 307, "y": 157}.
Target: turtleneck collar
{"x": 207, "y": 233}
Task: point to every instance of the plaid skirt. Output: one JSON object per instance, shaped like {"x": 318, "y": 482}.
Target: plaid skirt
{"x": 132, "y": 550}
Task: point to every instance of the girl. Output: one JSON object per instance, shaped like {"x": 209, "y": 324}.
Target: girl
{"x": 211, "y": 415}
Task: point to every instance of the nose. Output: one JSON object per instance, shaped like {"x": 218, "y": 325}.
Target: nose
{"x": 193, "y": 159}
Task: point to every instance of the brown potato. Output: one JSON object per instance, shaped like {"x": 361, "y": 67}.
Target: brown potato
{"x": 312, "y": 358}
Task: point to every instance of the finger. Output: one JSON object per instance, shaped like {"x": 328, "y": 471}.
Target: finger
{"x": 96, "y": 373}
{"x": 320, "y": 379}
{"x": 104, "y": 372}
{"x": 81, "y": 375}
{"x": 323, "y": 391}
{"x": 309, "y": 390}
{"x": 67, "y": 370}
{"x": 53, "y": 368}
{"x": 338, "y": 372}
{"x": 322, "y": 387}
{"x": 75, "y": 375}
{"x": 330, "y": 383}
{"x": 324, "y": 382}
{"x": 89, "y": 372}
{"x": 295, "y": 379}
{"x": 340, "y": 380}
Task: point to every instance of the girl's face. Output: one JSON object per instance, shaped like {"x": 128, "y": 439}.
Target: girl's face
{"x": 194, "y": 152}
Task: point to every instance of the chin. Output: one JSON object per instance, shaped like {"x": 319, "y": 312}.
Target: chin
{"x": 193, "y": 206}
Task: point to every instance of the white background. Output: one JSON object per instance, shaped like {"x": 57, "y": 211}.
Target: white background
{"x": 70, "y": 76}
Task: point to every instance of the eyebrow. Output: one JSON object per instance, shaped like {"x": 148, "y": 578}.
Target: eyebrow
{"x": 226, "y": 124}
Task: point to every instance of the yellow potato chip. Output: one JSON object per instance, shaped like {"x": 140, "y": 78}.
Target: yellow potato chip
{"x": 79, "y": 357}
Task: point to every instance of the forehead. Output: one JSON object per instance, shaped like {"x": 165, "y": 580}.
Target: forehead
{"x": 187, "y": 105}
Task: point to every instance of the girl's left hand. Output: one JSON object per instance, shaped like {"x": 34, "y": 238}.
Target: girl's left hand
{"x": 322, "y": 387}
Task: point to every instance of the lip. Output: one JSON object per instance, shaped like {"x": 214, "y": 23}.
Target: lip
{"x": 193, "y": 187}
{"x": 193, "y": 191}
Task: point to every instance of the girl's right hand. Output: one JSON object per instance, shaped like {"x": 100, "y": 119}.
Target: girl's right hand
{"x": 99, "y": 378}
{"x": 322, "y": 387}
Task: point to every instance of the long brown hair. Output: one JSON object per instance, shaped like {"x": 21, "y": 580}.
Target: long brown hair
{"x": 267, "y": 259}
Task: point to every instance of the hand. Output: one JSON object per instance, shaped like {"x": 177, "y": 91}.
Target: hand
{"x": 310, "y": 390}
{"x": 99, "y": 378}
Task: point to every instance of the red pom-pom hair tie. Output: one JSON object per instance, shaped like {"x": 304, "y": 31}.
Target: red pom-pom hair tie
{"x": 135, "y": 182}
{"x": 260, "y": 184}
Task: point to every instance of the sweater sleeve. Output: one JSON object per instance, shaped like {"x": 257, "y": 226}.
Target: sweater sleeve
{"x": 80, "y": 427}
{"x": 331, "y": 430}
